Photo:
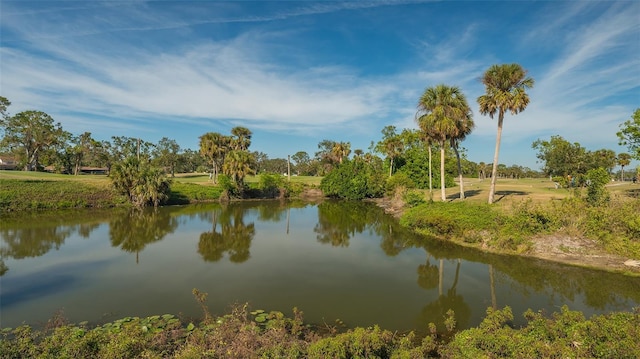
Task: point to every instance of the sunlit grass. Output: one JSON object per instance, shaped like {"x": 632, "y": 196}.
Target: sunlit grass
{"x": 203, "y": 178}
{"x": 515, "y": 190}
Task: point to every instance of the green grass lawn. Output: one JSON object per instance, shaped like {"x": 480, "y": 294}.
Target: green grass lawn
{"x": 203, "y": 178}
{"x": 536, "y": 189}
{"x": 507, "y": 190}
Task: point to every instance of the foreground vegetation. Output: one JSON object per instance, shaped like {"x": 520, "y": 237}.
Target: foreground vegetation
{"x": 259, "y": 334}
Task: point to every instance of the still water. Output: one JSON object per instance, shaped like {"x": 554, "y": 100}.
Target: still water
{"x": 333, "y": 260}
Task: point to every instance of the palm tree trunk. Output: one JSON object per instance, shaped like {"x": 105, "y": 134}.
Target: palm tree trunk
{"x": 455, "y": 149}
{"x": 443, "y": 193}
{"x": 430, "y": 177}
{"x": 390, "y": 166}
{"x": 494, "y": 170}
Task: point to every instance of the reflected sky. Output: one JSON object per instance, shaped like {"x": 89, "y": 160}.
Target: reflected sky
{"x": 333, "y": 260}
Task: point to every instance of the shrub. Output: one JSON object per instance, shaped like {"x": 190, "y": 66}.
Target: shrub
{"x": 413, "y": 198}
{"x": 271, "y": 185}
{"x": 596, "y": 192}
{"x": 354, "y": 180}
{"x": 142, "y": 184}
{"x": 451, "y": 219}
{"x": 399, "y": 179}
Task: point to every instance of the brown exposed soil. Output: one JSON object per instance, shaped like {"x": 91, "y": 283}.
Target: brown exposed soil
{"x": 312, "y": 194}
{"x": 581, "y": 252}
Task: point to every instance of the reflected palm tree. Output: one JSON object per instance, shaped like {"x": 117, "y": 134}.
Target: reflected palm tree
{"x": 445, "y": 302}
{"x": 492, "y": 284}
{"x": 132, "y": 231}
{"x": 234, "y": 236}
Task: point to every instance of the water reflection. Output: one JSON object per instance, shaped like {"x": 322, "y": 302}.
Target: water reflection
{"x": 436, "y": 310}
{"x": 338, "y": 222}
{"x": 372, "y": 265}
{"x": 29, "y": 236}
{"x": 233, "y": 238}
{"x": 133, "y": 230}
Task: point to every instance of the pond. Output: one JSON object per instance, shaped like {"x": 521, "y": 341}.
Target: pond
{"x": 333, "y": 260}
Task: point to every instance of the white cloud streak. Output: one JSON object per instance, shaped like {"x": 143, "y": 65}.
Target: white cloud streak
{"x": 106, "y": 81}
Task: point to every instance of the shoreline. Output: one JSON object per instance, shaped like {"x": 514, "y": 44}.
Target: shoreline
{"x": 556, "y": 247}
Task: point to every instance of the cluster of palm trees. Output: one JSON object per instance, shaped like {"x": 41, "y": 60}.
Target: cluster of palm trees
{"x": 228, "y": 154}
{"x": 445, "y": 117}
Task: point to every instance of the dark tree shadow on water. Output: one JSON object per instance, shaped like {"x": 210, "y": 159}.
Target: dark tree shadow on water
{"x": 504, "y": 194}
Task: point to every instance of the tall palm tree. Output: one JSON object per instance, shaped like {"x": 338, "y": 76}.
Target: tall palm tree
{"x": 341, "y": 150}
{"x": 442, "y": 108}
{"x": 623, "y": 160}
{"x": 464, "y": 127}
{"x": 242, "y": 139}
{"x": 505, "y": 87}
{"x": 237, "y": 165}
{"x": 214, "y": 147}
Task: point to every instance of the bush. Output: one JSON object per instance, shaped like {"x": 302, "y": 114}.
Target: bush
{"x": 596, "y": 192}
{"x": 183, "y": 193}
{"x": 451, "y": 219}
{"x": 271, "y": 185}
{"x": 142, "y": 184}
{"x": 399, "y": 179}
{"x": 565, "y": 335}
{"x": 413, "y": 198}
{"x": 229, "y": 188}
{"x": 354, "y": 180}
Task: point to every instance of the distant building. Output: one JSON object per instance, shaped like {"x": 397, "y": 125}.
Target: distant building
{"x": 8, "y": 163}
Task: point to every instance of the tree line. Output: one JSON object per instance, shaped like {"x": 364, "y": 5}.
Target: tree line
{"x": 443, "y": 116}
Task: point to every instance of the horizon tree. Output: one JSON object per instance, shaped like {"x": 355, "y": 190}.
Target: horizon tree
{"x": 629, "y": 134}
{"x": 302, "y": 160}
{"x": 213, "y": 147}
{"x": 442, "y": 107}
{"x": 166, "y": 154}
{"x": 623, "y": 159}
{"x": 391, "y": 145}
{"x": 83, "y": 145}
{"x": 30, "y": 133}
{"x": 505, "y": 87}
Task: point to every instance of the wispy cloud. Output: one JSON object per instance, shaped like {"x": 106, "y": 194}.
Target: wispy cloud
{"x": 120, "y": 67}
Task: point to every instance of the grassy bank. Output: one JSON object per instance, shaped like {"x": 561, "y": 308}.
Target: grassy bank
{"x": 533, "y": 218}
{"x": 21, "y": 191}
{"x": 20, "y": 195}
{"x": 259, "y": 334}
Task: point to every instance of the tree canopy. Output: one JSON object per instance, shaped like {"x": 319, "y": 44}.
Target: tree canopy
{"x": 629, "y": 134}
{"x": 561, "y": 157}
{"x": 28, "y": 134}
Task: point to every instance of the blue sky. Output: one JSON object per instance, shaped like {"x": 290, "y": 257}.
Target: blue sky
{"x": 296, "y": 73}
